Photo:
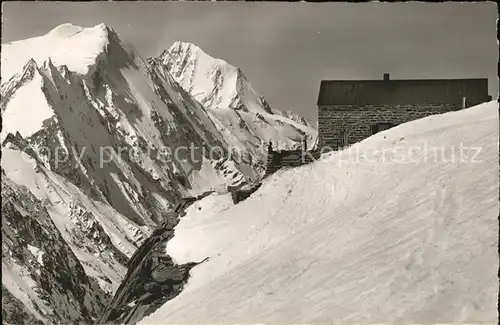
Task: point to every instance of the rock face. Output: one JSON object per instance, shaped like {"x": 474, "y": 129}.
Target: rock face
{"x": 152, "y": 278}
{"x": 14, "y": 312}
{"x": 240, "y": 194}
{"x": 39, "y": 270}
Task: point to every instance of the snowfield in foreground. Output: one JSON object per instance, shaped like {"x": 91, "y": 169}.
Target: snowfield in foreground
{"x": 357, "y": 237}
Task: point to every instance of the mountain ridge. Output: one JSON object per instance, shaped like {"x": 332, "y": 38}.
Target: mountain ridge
{"x": 228, "y": 96}
{"x": 92, "y": 153}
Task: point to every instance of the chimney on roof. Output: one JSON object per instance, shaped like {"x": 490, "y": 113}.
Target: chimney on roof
{"x": 386, "y": 76}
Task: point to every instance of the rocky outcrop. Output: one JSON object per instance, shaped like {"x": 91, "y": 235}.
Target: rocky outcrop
{"x": 299, "y": 119}
{"x": 243, "y": 192}
{"x": 152, "y": 278}
{"x": 14, "y": 312}
{"x": 45, "y": 281}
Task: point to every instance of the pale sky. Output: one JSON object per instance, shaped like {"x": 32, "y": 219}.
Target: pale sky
{"x": 286, "y": 49}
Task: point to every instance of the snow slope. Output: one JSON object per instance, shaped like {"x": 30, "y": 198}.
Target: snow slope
{"x": 397, "y": 229}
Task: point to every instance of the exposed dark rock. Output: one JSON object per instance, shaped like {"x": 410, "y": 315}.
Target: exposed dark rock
{"x": 241, "y": 193}
{"x": 14, "y": 312}
{"x": 152, "y": 278}
{"x": 31, "y": 241}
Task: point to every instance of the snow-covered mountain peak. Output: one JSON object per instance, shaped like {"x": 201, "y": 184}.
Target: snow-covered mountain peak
{"x": 76, "y": 47}
{"x": 231, "y": 100}
{"x": 214, "y": 82}
{"x": 65, "y": 30}
{"x": 69, "y": 30}
{"x": 26, "y": 73}
{"x": 192, "y": 51}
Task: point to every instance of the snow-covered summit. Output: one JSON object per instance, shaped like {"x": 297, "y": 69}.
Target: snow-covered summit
{"x": 65, "y": 30}
{"x": 76, "y": 47}
{"x": 213, "y": 82}
{"x": 238, "y": 111}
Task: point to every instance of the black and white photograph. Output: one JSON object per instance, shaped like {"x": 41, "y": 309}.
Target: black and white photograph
{"x": 232, "y": 162}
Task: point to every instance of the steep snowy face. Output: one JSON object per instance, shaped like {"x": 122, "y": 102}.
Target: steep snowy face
{"x": 242, "y": 115}
{"x": 213, "y": 82}
{"x": 108, "y": 144}
{"x": 400, "y": 228}
{"x": 111, "y": 115}
{"x": 24, "y": 97}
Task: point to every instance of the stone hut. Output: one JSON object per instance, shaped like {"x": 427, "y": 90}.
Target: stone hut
{"x": 352, "y": 110}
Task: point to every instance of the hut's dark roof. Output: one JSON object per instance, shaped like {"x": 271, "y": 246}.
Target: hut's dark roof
{"x": 381, "y": 92}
